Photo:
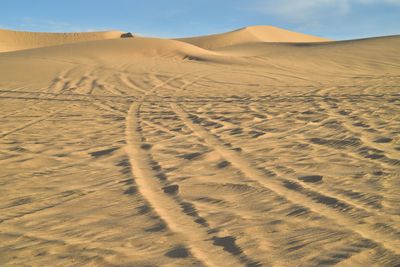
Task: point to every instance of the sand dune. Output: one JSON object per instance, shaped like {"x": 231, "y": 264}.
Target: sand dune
{"x": 381, "y": 53}
{"x": 125, "y": 48}
{"x": 18, "y": 40}
{"x": 146, "y": 151}
{"x": 253, "y": 34}
{"x": 364, "y": 49}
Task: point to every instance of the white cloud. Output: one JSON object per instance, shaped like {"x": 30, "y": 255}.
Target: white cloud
{"x": 48, "y": 25}
{"x": 390, "y": 2}
{"x": 313, "y": 10}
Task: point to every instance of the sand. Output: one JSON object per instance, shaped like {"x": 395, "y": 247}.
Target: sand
{"x": 18, "y": 40}
{"x": 227, "y": 150}
{"x": 252, "y": 34}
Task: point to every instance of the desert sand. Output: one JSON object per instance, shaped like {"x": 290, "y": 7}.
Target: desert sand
{"x": 257, "y": 147}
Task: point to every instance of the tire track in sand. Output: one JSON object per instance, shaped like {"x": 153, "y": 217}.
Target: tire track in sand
{"x": 387, "y": 241}
{"x": 388, "y": 219}
{"x": 26, "y": 125}
{"x": 196, "y": 236}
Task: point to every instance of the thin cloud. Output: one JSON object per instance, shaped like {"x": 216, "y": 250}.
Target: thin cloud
{"x": 307, "y": 10}
{"x": 49, "y": 25}
{"x": 389, "y": 2}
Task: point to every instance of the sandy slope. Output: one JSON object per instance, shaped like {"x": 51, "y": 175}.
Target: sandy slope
{"x": 253, "y": 34}
{"x": 18, "y": 40}
{"x": 147, "y": 151}
{"x": 123, "y": 48}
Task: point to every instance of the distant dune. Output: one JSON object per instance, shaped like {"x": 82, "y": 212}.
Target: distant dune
{"x": 253, "y": 34}
{"x": 367, "y": 53}
{"x": 118, "y": 49}
{"x": 235, "y": 47}
{"x": 19, "y": 40}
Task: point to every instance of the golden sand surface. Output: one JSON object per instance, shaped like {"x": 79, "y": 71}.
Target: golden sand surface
{"x": 258, "y": 147}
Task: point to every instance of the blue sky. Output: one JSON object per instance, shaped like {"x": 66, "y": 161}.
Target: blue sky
{"x": 336, "y": 19}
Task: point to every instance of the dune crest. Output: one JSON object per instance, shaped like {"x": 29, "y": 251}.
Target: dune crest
{"x": 20, "y": 40}
{"x": 120, "y": 49}
{"x": 251, "y": 34}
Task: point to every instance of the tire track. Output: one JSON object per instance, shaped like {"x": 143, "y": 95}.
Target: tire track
{"x": 22, "y": 127}
{"x": 354, "y": 131}
{"x": 61, "y": 83}
{"x": 360, "y": 206}
{"x": 362, "y": 228}
{"x": 129, "y": 83}
{"x": 45, "y": 99}
{"x": 198, "y": 239}
{"x": 49, "y": 203}
{"x": 11, "y": 93}
{"x": 162, "y": 129}
{"x": 15, "y": 112}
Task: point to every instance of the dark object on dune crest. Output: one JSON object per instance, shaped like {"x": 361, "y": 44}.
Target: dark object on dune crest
{"x": 127, "y": 35}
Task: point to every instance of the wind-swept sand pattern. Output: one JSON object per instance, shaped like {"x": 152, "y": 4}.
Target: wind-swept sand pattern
{"x": 144, "y": 151}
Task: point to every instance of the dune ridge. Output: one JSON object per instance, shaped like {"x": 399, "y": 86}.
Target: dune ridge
{"x": 121, "y": 48}
{"x": 19, "y": 40}
{"x": 252, "y": 34}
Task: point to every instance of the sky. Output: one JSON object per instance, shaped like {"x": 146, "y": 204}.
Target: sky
{"x": 335, "y": 19}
